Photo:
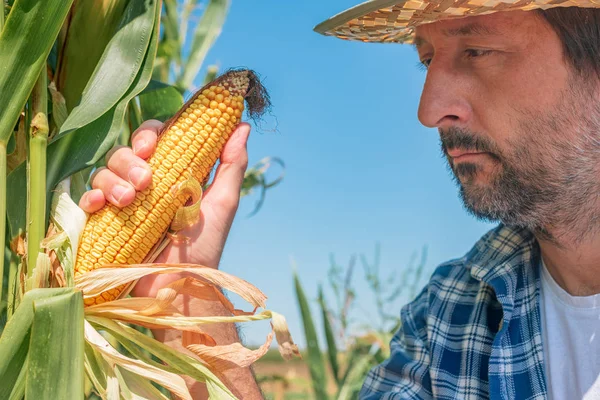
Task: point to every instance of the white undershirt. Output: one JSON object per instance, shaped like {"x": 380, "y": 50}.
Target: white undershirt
{"x": 571, "y": 342}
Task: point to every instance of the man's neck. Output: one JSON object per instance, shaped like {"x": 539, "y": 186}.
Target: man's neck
{"x": 574, "y": 264}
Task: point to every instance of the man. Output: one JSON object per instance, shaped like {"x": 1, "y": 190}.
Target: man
{"x": 513, "y": 95}
{"x": 515, "y": 98}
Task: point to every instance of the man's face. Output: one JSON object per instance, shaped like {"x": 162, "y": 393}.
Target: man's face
{"x": 498, "y": 85}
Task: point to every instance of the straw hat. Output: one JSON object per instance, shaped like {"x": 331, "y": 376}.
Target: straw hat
{"x": 393, "y": 21}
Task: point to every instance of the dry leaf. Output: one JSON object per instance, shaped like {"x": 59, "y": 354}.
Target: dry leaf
{"x": 170, "y": 381}
{"x": 234, "y": 355}
{"x": 111, "y": 276}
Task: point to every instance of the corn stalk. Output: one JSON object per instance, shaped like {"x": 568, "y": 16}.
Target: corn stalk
{"x": 76, "y": 78}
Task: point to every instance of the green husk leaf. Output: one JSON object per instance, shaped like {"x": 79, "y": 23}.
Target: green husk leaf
{"x": 184, "y": 364}
{"x": 136, "y": 387}
{"x": 94, "y": 370}
{"x": 55, "y": 363}
{"x": 70, "y": 221}
{"x": 171, "y": 381}
{"x": 25, "y": 42}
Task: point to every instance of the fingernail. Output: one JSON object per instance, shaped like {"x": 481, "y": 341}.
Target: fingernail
{"x": 85, "y": 202}
{"x": 119, "y": 192}
{"x": 137, "y": 175}
{"x": 139, "y": 145}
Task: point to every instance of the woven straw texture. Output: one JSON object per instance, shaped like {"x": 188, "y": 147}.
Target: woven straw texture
{"x": 386, "y": 21}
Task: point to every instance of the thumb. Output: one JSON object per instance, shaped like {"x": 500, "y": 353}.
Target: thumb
{"x": 229, "y": 176}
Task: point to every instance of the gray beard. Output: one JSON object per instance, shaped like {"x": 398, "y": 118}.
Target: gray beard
{"x": 548, "y": 185}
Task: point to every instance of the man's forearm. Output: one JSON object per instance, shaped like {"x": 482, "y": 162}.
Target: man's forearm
{"x": 240, "y": 381}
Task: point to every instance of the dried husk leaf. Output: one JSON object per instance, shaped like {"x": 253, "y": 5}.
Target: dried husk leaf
{"x": 287, "y": 348}
{"x": 172, "y": 321}
{"x": 41, "y": 272}
{"x": 222, "y": 358}
{"x": 111, "y": 276}
{"x": 188, "y": 338}
{"x": 172, "y": 382}
{"x": 191, "y": 287}
{"x": 188, "y": 214}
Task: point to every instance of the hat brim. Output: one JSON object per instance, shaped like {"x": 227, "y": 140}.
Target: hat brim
{"x": 393, "y": 21}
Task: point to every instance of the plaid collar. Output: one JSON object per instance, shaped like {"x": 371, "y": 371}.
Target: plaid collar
{"x": 474, "y": 331}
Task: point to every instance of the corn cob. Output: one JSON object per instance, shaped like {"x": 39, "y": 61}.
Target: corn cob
{"x": 188, "y": 146}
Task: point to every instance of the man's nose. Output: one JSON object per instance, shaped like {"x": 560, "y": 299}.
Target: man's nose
{"x": 444, "y": 101}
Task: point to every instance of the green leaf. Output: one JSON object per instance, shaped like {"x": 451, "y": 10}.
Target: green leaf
{"x": 172, "y": 44}
{"x": 161, "y": 103}
{"x": 136, "y": 387}
{"x": 331, "y": 345}
{"x": 25, "y": 42}
{"x": 15, "y": 339}
{"x": 207, "y": 31}
{"x": 355, "y": 378}
{"x": 91, "y": 26}
{"x": 55, "y": 364}
{"x": 80, "y": 149}
{"x": 18, "y": 391}
{"x": 118, "y": 67}
{"x": 93, "y": 368}
{"x": 183, "y": 363}
{"x": 314, "y": 357}
{"x": 59, "y": 107}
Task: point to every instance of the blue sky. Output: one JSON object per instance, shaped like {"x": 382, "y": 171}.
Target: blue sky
{"x": 360, "y": 168}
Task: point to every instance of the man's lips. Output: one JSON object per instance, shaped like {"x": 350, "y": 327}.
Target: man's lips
{"x": 458, "y": 153}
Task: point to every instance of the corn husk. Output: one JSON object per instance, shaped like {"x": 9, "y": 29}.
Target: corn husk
{"x": 115, "y": 375}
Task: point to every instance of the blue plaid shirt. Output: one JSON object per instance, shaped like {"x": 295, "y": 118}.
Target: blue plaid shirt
{"x": 474, "y": 332}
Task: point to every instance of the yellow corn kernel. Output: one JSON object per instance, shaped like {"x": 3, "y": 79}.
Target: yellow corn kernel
{"x": 114, "y": 235}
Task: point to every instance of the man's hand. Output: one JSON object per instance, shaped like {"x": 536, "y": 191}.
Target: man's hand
{"x": 127, "y": 172}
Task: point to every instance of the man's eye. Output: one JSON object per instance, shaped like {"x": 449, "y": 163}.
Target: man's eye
{"x": 424, "y": 64}
{"x": 474, "y": 53}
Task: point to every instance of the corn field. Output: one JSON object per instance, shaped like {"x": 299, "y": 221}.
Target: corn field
{"x": 76, "y": 79}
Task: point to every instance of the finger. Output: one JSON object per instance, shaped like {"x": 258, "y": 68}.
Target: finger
{"x": 143, "y": 140}
{"x": 92, "y": 201}
{"x": 116, "y": 190}
{"x": 229, "y": 176}
{"x": 130, "y": 167}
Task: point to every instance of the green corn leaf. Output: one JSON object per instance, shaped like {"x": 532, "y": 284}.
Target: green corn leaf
{"x": 55, "y": 363}
{"x": 184, "y": 364}
{"x": 315, "y": 358}
{"x": 172, "y": 42}
{"x": 118, "y": 67}
{"x": 354, "y": 380}
{"x": 18, "y": 391}
{"x": 91, "y": 26}
{"x": 15, "y": 339}
{"x": 89, "y": 144}
{"x": 136, "y": 387}
{"x": 207, "y": 31}
{"x": 93, "y": 368}
{"x": 25, "y": 42}
{"x": 161, "y": 103}
{"x": 331, "y": 345}
{"x": 82, "y": 148}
